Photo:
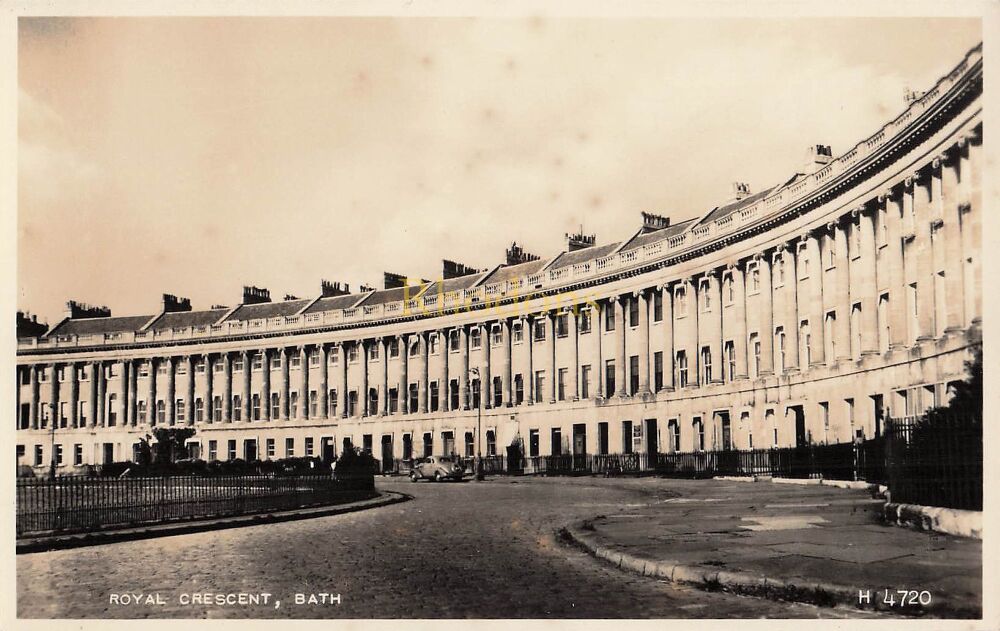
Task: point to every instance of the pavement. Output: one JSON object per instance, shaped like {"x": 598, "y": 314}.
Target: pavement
{"x": 455, "y": 550}
{"x": 813, "y": 543}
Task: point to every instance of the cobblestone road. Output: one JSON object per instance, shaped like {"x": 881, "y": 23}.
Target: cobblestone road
{"x": 467, "y": 549}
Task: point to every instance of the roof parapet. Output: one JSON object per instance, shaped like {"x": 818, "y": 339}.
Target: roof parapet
{"x": 255, "y": 295}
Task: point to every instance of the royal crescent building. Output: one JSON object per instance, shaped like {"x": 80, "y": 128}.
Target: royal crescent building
{"x": 809, "y": 312}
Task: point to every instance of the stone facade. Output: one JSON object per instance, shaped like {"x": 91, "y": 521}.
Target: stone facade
{"x": 806, "y": 313}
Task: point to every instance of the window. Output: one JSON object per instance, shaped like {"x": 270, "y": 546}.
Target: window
{"x": 296, "y": 361}
{"x": 199, "y": 410}
{"x": 38, "y": 455}
{"x": 331, "y": 402}
{"x": 496, "y": 335}
{"x": 706, "y": 363}
{"x": 680, "y": 297}
{"x": 849, "y": 412}
{"x": 561, "y": 384}
{"x": 562, "y": 325}
{"x": 803, "y": 263}
{"x": 161, "y": 412}
{"x": 433, "y": 343}
{"x": 352, "y": 352}
{"x": 729, "y": 289}
{"x": 313, "y": 404}
{"x": 491, "y": 442}
{"x": 393, "y": 400}
{"x": 881, "y": 225}
{"x": 556, "y": 441}
{"x": 657, "y": 306}
{"x": 609, "y": 377}
{"x": 309, "y": 445}
{"x": 517, "y": 332}
{"x": 824, "y": 412}
{"x": 779, "y": 268}
{"x": 140, "y": 411}
{"x": 633, "y": 311}
{"x": 779, "y": 344}
{"x": 43, "y": 375}
{"x": 518, "y": 389}
{"x": 729, "y": 349}
{"x": 633, "y": 378}
{"x": 831, "y": 250}
{"x": 940, "y": 313}
{"x": 682, "y": 369}
{"x": 275, "y": 406}
{"x": 237, "y": 408}
{"x": 497, "y": 392}
{"x": 658, "y": 371}
{"x": 805, "y": 342}
{"x": 829, "y": 339}
{"x": 470, "y": 444}
{"x": 216, "y": 408}
{"x": 539, "y": 386}
{"x": 258, "y": 362}
{"x": 334, "y": 356}
{"x": 213, "y": 450}
{"x": 63, "y": 416}
{"x": 532, "y": 445}
{"x": 237, "y": 366}
{"x": 313, "y": 358}
{"x": 609, "y": 317}
{"x": 414, "y": 396}
{"x": 706, "y": 296}
{"x": 231, "y": 449}
{"x": 373, "y": 352}
{"x": 476, "y": 338}
{"x": 269, "y": 447}
{"x": 393, "y": 348}
{"x": 586, "y": 318}
{"x": 856, "y": 240}
{"x": 454, "y": 340}
{"x": 434, "y": 396}
{"x": 883, "y": 322}
{"x": 474, "y": 384}
{"x": 199, "y": 366}
{"x": 585, "y": 381}
{"x": 255, "y": 400}
{"x": 539, "y": 330}
{"x": 914, "y": 311}
{"x": 674, "y": 427}
{"x": 627, "y": 437}
{"x": 453, "y": 394}
{"x": 289, "y": 447}
{"x": 216, "y": 367}
{"x": 699, "y": 433}
{"x": 602, "y": 438}
{"x": 754, "y": 271}
{"x": 78, "y": 454}
{"x": 755, "y": 350}
{"x": 856, "y": 331}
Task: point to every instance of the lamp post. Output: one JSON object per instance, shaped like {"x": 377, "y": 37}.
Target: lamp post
{"x": 479, "y": 423}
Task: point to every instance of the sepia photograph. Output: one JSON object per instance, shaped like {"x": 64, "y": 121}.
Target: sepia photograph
{"x": 494, "y": 315}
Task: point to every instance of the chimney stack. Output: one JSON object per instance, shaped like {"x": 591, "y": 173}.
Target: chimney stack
{"x": 171, "y": 304}
{"x": 366, "y": 288}
{"x": 393, "y": 281}
{"x": 652, "y": 222}
{"x": 580, "y": 241}
{"x": 255, "y": 295}
{"x": 28, "y": 326}
{"x": 451, "y": 269}
{"x": 516, "y": 255}
{"x": 741, "y": 190}
{"x": 817, "y": 157}
{"x": 76, "y": 309}
{"x": 329, "y": 289}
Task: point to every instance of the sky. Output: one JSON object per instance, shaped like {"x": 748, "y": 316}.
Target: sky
{"x": 193, "y": 156}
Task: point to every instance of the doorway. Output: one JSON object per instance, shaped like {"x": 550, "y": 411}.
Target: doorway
{"x": 727, "y": 430}
{"x": 387, "y": 460}
{"x": 801, "y": 438}
{"x": 250, "y": 450}
{"x": 109, "y": 453}
{"x": 652, "y": 439}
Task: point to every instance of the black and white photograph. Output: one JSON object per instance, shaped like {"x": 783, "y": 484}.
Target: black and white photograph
{"x": 421, "y": 312}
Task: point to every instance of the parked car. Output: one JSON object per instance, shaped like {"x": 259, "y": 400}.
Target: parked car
{"x": 437, "y": 468}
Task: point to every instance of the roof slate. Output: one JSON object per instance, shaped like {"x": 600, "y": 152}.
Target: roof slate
{"x": 333, "y": 303}
{"x": 657, "y": 235}
{"x": 99, "y": 326}
{"x": 395, "y": 294}
{"x": 509, "y": 272}
{"x": 728, "y": 209}
{"x": 268, "y": 310}
{"x": 586, "y": 254}
{"x": 183, "y": 319}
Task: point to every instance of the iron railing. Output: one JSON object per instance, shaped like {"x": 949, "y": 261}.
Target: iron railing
{"x": 79, "y": 504}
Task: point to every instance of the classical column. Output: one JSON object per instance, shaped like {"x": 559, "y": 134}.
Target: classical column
{"x": 133, "y": 391}
{"x": 54, "y": 394}
{"x": 343, "y": 407}
{"x": 694, "y": 298}
{"x": 869, "y": 288}
{"x": 528, "y": 329}
{"x": 171, "y": 386}
{"x": 765, "y": 311}
{"x": 304, "y": 382}
{"x": 952, "y": 215}
{"x": 150, "y": 393}
{"x": 894, "y": 262}
{"x": 506, "y": 376}
{"x": 190, "y": 389}
{"x": 486, "y": 387}
{"x": 463, "y": 377}
{"x": 383, "y": 352}
{"x": 265, "y": 387}
{"x": 227, "y": 388}
{"x": 444, "y": 383}
{"x": 363, "y": 394}
{"x": 102, "y": 394}
{"x": 644, "y": 305}
{"x": 715, "y": 324}
{"x": 404, "y": 387}
{"x": 574, "y": 355}
{"x": 842, "y": 292}
{"x": 598, "y": 352}
{"x": 74, "y": 394}
{"x": 424, "y": 373}
{"x": 285, "y": 385}
{"x": 247, "y": 402}
{"x": 668, "y": 335}
{"x": 551, "y": 315}
{"x": 209, "y": 390}
{"x": 817, "y": 346}
{"x": 621, "y": 387}
{"x": 791, "y": 306}
{"x": 33, "y": 380}
{"x": 739, "y": 319}
{"x": 324, "y": 380}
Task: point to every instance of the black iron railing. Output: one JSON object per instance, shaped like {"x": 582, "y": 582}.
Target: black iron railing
{"x": 79, "y": 504}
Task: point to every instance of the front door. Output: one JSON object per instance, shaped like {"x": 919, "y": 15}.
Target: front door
{"x": 328, "y": 448}
{"x": 109, "y": 453}
{"x": 387, "y": 462}
{"x": 448, "y": 438}
{"x": 652, "y": 440}
{"x": 727, "y": 431}
{"x": 801, "y": 439}
{"x": 579, "y": 439}
{"x": 250, "y": 450}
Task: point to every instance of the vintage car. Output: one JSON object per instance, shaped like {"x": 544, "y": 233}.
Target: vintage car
{"x": 437, "y": 468}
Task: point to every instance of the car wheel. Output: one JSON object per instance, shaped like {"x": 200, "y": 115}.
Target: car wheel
{"x": 437, "y": 477}
{"x": 414, "y": 477}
